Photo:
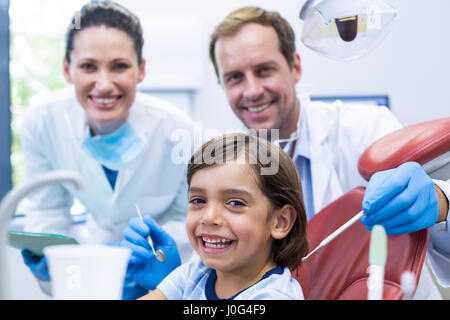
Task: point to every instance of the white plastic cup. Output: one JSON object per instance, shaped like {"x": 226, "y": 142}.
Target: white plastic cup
{"x": 87, "y": 272}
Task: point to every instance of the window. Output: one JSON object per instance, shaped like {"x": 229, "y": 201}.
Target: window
{"x": 37, "y": 30}
{"x": 5, "y": 132}
{"x": 382, "y": 100}
{"x": 35, "y": 48}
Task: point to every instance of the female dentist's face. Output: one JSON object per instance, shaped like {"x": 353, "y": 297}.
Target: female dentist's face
{"x": 105, "y": 72}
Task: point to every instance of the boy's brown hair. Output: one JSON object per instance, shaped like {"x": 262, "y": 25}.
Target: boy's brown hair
{"x": 281, "y": 188}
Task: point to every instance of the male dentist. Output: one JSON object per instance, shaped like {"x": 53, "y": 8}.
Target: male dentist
{"x": 254, "y": 56}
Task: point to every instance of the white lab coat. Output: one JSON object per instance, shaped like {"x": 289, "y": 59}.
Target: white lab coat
{"x": 339, "y": 134}
{"x": 52, "y": 135}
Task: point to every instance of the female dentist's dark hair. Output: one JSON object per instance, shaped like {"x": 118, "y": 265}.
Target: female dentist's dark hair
{"x": 109, "y": 14}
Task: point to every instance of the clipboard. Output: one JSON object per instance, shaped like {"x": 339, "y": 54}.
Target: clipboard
{"x": 36, "y": 242}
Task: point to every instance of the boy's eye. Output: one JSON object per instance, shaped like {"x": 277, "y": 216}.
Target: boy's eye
{"x": 236, "y": 203}
{"x": 197, "y": 201}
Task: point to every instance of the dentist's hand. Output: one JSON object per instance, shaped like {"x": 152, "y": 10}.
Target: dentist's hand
{"x": 37, "y": 265}
{"x": 143, "y": 266}
{"x": 402, "y": 200}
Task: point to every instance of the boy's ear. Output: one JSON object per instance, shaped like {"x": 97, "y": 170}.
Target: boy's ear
{"x": 282, "y": 221}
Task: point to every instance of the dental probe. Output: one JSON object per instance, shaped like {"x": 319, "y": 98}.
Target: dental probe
{"x": 158, "y": 253}
{"x": 335, "y": 233}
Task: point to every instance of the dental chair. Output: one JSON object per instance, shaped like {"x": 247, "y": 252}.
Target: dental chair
{"x": 339, "y": 271}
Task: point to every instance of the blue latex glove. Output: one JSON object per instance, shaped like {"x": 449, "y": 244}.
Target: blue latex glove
{"x": 132, "y": 290}
{"x": 402, "y": 200}
{"x": 37, "y": 265}
{"x": 143, "y": 267}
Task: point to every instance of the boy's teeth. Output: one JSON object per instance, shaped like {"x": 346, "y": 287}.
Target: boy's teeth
{"x": 259, "y": 109}
{"x": 216, "y": 243}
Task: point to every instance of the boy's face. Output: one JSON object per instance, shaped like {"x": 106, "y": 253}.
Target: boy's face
{"x": 228, "y": 220}
{"x": 258, "y": 81}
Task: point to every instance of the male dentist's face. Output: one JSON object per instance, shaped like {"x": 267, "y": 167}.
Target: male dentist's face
{"x": 258, "y": 81}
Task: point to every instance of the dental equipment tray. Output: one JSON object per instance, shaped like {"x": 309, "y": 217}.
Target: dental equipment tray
{"x": 36, "y": 242}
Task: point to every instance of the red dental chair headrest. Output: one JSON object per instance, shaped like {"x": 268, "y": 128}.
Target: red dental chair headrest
{"x": 427, "y": 143}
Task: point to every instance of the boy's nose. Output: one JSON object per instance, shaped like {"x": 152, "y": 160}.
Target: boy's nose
{"x": 211, "y": 215}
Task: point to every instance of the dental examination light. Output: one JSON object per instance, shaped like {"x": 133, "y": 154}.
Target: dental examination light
{"x": 8, "y": 207}
{"x": 345, "y": 29}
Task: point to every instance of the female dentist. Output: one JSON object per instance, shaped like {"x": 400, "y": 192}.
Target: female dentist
{"x": 118, "y": 140}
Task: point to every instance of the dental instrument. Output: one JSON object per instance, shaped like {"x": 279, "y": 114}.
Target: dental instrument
{"x": 336, "y": 233}
{"x": 377, "y": 260}
{"x": 158, "y": 253}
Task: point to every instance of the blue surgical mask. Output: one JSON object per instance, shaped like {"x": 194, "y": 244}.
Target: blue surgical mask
{"x": 114, "y": 149}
